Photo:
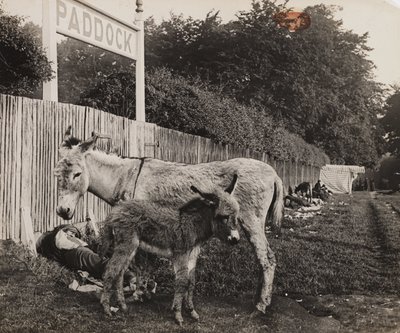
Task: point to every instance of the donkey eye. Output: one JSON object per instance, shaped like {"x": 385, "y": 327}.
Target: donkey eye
{"x": 76, "y": 175}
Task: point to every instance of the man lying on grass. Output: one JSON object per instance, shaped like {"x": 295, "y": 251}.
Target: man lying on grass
{"x": 64, "y": 245}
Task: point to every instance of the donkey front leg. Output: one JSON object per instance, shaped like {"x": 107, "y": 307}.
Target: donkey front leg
{"x": 181, "y": 284}
{"x": 127, "y": 252}
{"x": 192, "y": 281}
{"x": 114, "y": 275}
{"x": 109, "y": 278}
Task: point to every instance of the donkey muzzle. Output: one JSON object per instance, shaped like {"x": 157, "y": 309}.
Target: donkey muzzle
{"x": 65, "y": 213}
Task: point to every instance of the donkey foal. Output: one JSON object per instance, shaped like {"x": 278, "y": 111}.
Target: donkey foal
{"x": 175, "y": 235}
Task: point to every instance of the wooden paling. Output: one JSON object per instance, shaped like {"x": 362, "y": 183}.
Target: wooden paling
{"x": 32, "y": 130}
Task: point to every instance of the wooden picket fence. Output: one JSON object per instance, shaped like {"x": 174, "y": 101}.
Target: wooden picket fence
{"x": 32, "y": 130}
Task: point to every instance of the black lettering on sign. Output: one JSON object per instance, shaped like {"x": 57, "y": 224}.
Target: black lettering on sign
{"x": 118, "y": 33}
{"x": 98, "y": 29}
{"x": 61, "y": 11}
{"x": 127, "y": 41}
{"x": 109, "y": 34}
{"x": 87, "y": 25}
{"x": 73, "y": 22}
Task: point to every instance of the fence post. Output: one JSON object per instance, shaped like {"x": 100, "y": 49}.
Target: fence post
{"x": 49, "y": 37}
{"x": 27, "y": 235}
{"x": 140, "y": 93}
{"x": 26, "y": 159}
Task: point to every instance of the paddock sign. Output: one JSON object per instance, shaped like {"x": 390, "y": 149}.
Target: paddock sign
{"x": 80, "y": 21}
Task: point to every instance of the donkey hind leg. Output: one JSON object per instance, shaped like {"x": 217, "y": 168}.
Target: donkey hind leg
{"x": 192, "y": 281}
{"x": 181, "y": 284}
{"x": 267, "y": 262}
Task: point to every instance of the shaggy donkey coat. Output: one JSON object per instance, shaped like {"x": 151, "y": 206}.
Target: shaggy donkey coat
{"x": 167, "y": 233}
{"x": 259, "y": 191}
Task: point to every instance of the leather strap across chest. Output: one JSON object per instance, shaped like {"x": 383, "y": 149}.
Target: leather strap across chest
{"x": 122, "y": 191}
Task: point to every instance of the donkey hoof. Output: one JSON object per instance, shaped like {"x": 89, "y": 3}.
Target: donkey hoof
{"x": 194, "y": 315}
{"x": 260, "y": 307}
{"x": 107, "y": 312}
{"x": 179, "y": 319}
{"x": 257, "y": 313}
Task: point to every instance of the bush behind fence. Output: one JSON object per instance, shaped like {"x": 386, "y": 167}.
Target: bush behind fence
{"x": 32, "y": 130}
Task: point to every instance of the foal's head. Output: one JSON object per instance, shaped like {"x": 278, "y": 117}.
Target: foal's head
{"x": 225, "y": 211}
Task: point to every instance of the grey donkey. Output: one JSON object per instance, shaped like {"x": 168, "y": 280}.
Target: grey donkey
{"x": 169, "y": 233}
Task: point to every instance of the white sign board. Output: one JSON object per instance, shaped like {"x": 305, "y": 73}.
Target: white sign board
{"x": 90, "y": 25}
{"x": 79, "y": 20}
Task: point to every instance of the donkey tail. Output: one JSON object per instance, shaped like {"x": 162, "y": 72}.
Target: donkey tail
{"x": 275, "y": 212}
{"x": 106, "y": 240}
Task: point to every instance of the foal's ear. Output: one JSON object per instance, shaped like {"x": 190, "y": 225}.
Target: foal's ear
{"x": 196, "y": 190}
{"x": 89, "y": 143}
{"x": 206, "y": 199}
{"x": 232, "y": 185}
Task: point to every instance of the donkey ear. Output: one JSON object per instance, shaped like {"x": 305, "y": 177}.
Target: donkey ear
{"x": 232, "y": 185}
{"x": 89, "y": 143}
{"x": 67, "y": 134}
{"x": 67, "y": 137}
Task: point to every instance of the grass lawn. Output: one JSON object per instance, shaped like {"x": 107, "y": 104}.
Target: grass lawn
{"x": 349, "y": 254}
{"x": 349, "y": 249}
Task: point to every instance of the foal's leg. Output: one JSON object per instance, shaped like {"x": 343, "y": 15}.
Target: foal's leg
{"x": 109, "y": 277}
{"x": 116, "y": 267}
{"x": 192, "y": 281}
{"x": 181, "y": 284}
{"x": 128, "y": 252}
{"x": 254, "y": 231}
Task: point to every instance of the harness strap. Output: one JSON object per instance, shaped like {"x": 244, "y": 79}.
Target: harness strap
{"x": 120, "y": 192}
{"x": 137, "y": 177}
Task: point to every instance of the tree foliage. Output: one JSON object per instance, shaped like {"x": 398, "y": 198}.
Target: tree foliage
{"x": 174, "y": 102}
{"x": 23, "y": 63}
{"x": 317, "y": 81}
{"x": 391, "y": 122}
{"x": 80, "y": 66}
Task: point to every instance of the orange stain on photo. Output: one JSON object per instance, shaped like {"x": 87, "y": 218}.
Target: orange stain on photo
{"x": 293, "y": 21}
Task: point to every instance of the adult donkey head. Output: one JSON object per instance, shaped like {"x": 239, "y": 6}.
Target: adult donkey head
{"x": 72, "y": 172}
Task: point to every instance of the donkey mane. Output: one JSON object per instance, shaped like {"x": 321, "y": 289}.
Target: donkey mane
{"x": 72, "y": 141}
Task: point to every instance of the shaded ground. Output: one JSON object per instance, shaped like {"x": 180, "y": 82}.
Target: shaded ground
{"x": 340, "y": 272}
{"x": 31, "y": 305}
